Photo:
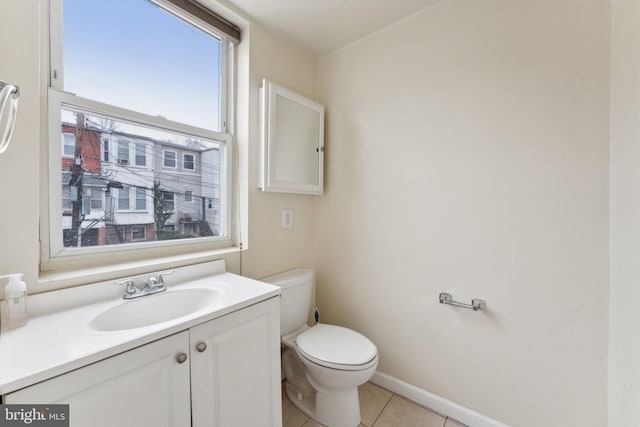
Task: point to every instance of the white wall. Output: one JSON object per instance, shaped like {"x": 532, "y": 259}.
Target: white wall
{"x": 262, "y": 54}
{"x": 624, "y": 339}
{"x": 467, "y": 152}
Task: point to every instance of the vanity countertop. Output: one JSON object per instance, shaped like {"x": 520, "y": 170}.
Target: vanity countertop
{"x": 59, "y": 338}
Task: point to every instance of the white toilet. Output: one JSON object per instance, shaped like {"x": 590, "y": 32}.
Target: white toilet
{"x": 323, "y": 364}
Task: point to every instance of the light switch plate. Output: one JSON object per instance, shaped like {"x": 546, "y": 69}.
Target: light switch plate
{"x": 287, "y": 219}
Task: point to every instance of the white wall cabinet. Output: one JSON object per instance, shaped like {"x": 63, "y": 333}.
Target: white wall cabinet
{"x": 223, "y": 373}
{"x": 292, "y": 141}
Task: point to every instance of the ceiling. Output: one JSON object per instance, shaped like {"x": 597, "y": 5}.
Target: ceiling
{"x": 323, "y": 26}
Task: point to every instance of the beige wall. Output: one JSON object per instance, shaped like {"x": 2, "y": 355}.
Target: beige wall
{"x": 624, "y": 350}
{"x": 271, "y": 249}
{"x": 19, "y": 167}
{"x": 467, "y": 152}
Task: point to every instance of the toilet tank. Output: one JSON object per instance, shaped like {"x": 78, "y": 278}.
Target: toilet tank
{"x": 295, "y": 301}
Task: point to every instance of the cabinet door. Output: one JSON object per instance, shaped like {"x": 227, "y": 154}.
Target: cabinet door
{"x": 235, "y": 380}
{"x": 292, "y": 139}
{"x": 146, "y": 386}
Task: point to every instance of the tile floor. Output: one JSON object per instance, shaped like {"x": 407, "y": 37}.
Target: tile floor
{"x": 379, "y": 408}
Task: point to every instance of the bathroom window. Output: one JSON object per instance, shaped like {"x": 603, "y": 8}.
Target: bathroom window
{"x": 130, "y": 102}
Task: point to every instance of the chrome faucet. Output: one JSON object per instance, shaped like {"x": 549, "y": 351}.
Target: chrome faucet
{"x": 156, "y": 282}
{"x": 131, "y": 289}
{"x": 152, "y": 285}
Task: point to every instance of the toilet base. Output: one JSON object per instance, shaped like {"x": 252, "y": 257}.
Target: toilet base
{"x": 334, "y": 409}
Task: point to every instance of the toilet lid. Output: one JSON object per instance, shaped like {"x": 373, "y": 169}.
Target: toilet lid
{"x": 332, "y": 345}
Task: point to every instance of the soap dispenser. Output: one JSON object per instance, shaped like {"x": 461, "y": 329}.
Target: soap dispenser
{"x": 15, "y": 301}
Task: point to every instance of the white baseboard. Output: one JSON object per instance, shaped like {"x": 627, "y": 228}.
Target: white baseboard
{"x": 435, "y": 402}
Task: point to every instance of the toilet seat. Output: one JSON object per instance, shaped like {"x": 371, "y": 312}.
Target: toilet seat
{"x": 337, "y": 347}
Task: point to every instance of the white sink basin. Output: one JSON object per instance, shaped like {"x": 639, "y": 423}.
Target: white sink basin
{"x": 153, "y": 309}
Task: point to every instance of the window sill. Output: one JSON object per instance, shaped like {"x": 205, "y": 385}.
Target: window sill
{"x": 52, "y": 280}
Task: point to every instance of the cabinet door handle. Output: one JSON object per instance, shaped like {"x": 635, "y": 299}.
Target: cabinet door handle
{"x": 181, "y": 358}
{"x": 201, "y": 347}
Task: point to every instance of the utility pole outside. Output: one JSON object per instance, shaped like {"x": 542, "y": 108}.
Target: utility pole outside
{"x": 75, "y": 184}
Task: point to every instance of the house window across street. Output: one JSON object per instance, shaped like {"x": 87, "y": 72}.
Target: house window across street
{"x": 188, "y": 162}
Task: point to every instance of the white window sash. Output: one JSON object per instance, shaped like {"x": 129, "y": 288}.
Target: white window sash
{"x": 164, "y": 159}
{"x": 53, "y": 236}
{"x": 192, "y": 162}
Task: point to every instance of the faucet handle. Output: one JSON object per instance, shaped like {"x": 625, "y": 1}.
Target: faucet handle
{"x": 131, "y": 286}
{"x": 157, "y": 280}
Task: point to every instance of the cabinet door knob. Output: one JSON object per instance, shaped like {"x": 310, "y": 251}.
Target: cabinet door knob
{"x": 181, "y": 358}
{"x": 201, "y": 347}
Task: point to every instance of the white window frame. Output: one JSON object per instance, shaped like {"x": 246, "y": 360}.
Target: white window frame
{"x": 97, "y": 196}
{"x": 143, "y": 155}
{"x": 173, "y": 200}
{"x": 190, "y": 194}
{"x": 121, "y": 160}
{"x": 144, "y": 232}
{"x": 121, "y": 192}
{"x": 143, "y": 198}
{"x": 164, "y": 159}
{"x": 105, "y": 150}
{"x": 64, "y": 144}
{"x": 54, "y": 252}
{"x": 193, "y": 162}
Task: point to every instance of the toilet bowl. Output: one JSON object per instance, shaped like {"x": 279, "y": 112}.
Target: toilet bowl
{"x": 324, "y": 364}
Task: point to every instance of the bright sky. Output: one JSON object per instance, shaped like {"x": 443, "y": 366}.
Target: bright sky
{"x": 132, "y": 54}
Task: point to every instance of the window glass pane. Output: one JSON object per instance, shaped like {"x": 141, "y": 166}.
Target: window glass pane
{"x": 96, "y": 198}
{"x": 169, "y": 159}
{"x": 123, "y": 199}
{"x": 138, "y": 232}
{"x": 68, "y": 144}
{"x": 141, "y": 156}
{"x": 189, "y": 162}
{"x": 105, "y": 150}
{"x": 141, "y": 199}
{"x": 111, "y": 197}
{"x": 134, "y": 55}
{"x": 168, "y": 200}
{"x": 123, "y": 153}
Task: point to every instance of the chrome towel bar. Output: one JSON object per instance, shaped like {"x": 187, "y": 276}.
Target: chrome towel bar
{"x": 476, "y": 304}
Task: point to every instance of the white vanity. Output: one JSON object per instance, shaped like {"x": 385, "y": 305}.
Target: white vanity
{"x": 205, "y": 352}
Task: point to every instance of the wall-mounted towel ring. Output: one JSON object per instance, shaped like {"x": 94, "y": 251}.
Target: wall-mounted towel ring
{"x": 9, "y": 94}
